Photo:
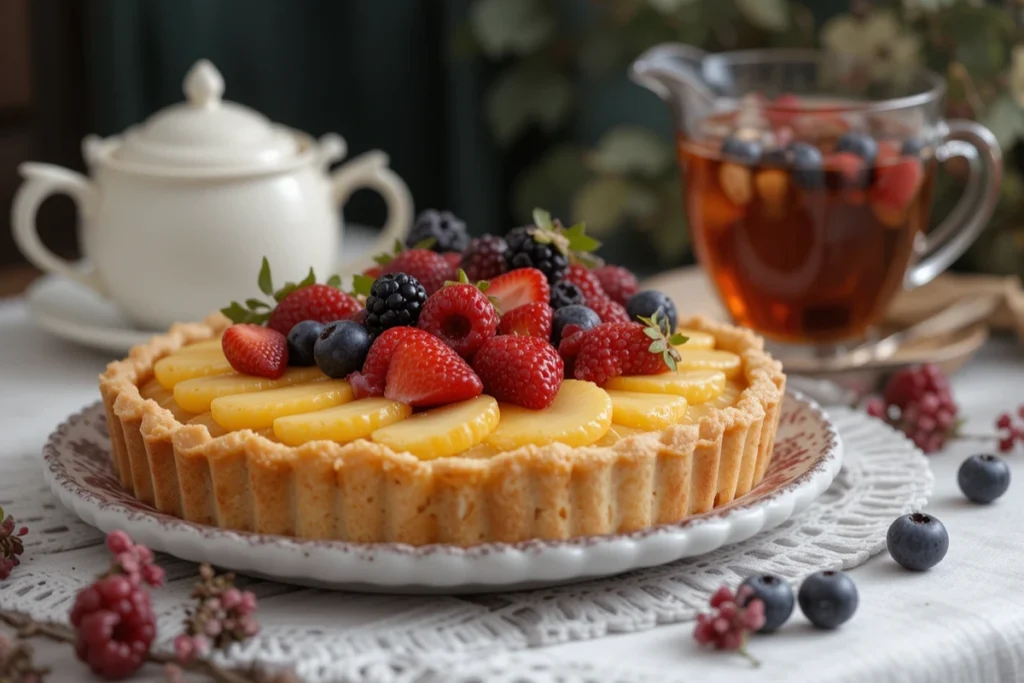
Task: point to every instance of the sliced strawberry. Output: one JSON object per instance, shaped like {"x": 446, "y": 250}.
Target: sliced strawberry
{"x": 528, "y": 320}
{"x": 519, "y": 287}
{"x": 320, "y": 303}
{"x": 255, "y": 350}
{"x": 425, "y": 371}
{"x": 370, "y": 381}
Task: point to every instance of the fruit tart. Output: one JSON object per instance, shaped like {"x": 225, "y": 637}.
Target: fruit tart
{"x": 464, "y": 392}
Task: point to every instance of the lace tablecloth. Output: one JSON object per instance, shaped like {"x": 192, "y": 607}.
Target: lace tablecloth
{"x": 961, "y": 622}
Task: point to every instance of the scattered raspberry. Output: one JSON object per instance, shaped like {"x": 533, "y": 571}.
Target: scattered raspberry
{"x": 613, "y": 349}
{"x": 256, "y": 350}
{"x": 370, "y": 381}
{"x": 484, "y": 259}
{"x": 115, "y": 625}
{"x": 918, "y": 402}
{"x": 530, "y": 320}
{"x": 608, "y": 311}
{"x": 424, "y": 371}
{"x": 587, "y": 281}
{"x": 617, "y": 282}
{"x": 518, "y": 287}
{"x": 728, "y": 626}
{"x": 526, "y": 371}
{"x": 11, "y": 546}
{"x": 321, "y": 303}
{"x": 461, "y": 316}
{"x": 222, "y": 615}
{"x": 431, "y": 269}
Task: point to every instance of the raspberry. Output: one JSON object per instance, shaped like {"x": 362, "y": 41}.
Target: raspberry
{"x": 446, "y": 230}
{"x": 484, "y": 258}
{"x": 609, "y": 311}
{"x": 429, "y": 268}
{"x": 321, "y": 303}
{"x": 454, "y": 259}
{"x": 587, "y": 281}
{"x": 370, "y": 381}
{"x": 115, "y": 626}
{"x": 461, "y": 316}
{"x": 531, "y": 320}
{"x": 526, "y": 371}
{"x": 617, "y": 282}
{"x": 395, "y": 299}
{"x": 613, "y": 349}
{"x": 569, "y": 347}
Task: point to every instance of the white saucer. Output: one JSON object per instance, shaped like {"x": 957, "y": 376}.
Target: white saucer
{"x": 75, "y": 313}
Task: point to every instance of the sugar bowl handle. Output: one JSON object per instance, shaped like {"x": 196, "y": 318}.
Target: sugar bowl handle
{"x": 41, "y": 181}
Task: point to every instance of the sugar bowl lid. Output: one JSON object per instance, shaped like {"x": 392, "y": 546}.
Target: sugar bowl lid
{"x": 207, "y": 131}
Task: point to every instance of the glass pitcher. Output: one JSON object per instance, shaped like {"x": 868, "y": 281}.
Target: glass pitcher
{"x": 808, "y": 183}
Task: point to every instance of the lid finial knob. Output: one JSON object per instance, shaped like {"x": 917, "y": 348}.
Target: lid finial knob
{"x": 204, "y": 85}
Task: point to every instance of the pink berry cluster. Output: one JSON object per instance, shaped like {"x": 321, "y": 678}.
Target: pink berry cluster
{"x": 11, "y": 546}
{"x": 918, "y": 402}
{"x": 16, "y": 662}
{"x": 223, "y": 615}
{"x": 1009, "y": 433}
{"x": 733, "y": 618}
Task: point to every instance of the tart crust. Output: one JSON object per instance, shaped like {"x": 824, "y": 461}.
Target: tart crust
{"x": 366, "y": 492}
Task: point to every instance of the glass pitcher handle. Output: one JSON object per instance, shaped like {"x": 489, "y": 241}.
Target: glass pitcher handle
{"x": 958, "y": 231}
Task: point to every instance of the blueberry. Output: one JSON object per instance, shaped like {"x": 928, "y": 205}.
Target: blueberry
{"x": 828, "y": 599}
{"x": 777, "y": 597}
{"x": 644, "y": 304}
{"x": 572, "y": 315}
{"x": 341, "y": 348}
{"x": 779, "y": 157}
{"x": 983, "y": 478}
{"x": 301, "y": 339}
{"x": 912, "y": 147}
{"x": 741, "y": 150}
{"x": 860, "y": 144}
{"x": 807, "y": 163}
{"x": 917, "y": 541}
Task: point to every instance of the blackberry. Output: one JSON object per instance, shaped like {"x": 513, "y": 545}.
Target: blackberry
{"x": 395, "y": 299}
{"x": 526, "y": 252}
{"x": 484, "y": 258}
{"x": 565, "y": 293}
{"x": 447, "y": 230}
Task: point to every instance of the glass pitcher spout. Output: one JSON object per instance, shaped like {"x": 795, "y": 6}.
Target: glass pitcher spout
{"x": 675, "y": 73}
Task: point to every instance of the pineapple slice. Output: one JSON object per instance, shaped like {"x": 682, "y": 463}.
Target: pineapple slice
{"x": 182, "y": 366}
{"x": 197, "y": 394}
{"x": 696, "y": 386}
{"x": 709, "y": 359}
{"x": 165, "y": 399}
{"x": 646, "y": 411}
{"x": 206, "y": 419}
{"x": 441, "y": 432}
{"x": 615, "y": 434}
{"x": 258, "y": 410}
{"x": 729, "y": 396}
{"x": 695, "y": 339}
{"x": 344, "y": 423}
{"x": 580, "y": 415}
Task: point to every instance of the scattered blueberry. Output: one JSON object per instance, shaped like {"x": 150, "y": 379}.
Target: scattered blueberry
{"x": 572, "y": 315}
{"x": 301, "y": 339}
{"x": 565, "y": 293}
{"x": 741, "y": 150}
{"x": 777, "y": 596}
{"x": 828, "y": 599}
{"x": 983, "y": 478}
{"x": 807, "y": 164}
{"x": 644, "y": 304}
{"x": 860, "y": 144}
{"x": 912, "y": 147}
{"x": 917, "y": 541}
{"x": 341, "y": 348}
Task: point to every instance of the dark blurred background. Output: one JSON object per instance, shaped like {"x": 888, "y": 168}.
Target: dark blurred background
{"x": 486, "y": 107}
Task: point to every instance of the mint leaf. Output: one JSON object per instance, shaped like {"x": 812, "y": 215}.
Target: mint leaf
{"x": 583, "y": 243}
{"x": 542, "y": 219}
{"x": 256, "y": 304}
{"x": 670, "y": 360}
{"x": 483, "y": 285}
{"x": 657, "y": 346}
{"x": 361, "y": 284}
{"x": 678, "y": 339}
{"x": 237, "y": 313}
{"x": 334, "y": 281}
{"x": 425, "y": 244}
{"x": 652, "y": 333}
{"x": 383, "y": 259}
{"x": 265, "y": 284}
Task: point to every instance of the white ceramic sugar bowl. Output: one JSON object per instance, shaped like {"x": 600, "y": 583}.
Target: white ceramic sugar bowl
{"x": 180, "y": 210}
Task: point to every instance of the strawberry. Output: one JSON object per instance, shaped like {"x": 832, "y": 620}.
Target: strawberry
{"x": 370, "y": 381}
{"x": 255, "y": 350}
{"x": 461, "y": 316}
{"x": 320, "y": 303}
{"x": 518, "y": 287}
{"x": 429, "y": 267}
{"x": 526, "y": 371}
{"x": 897, "y": 183}
{"x": 608, "y": 311}
{"x": 613, "y": 349}
{"x": 426, "y": 372}
{"x": 530, "y": 320}
{"x": 454, "y": 259}
{"x": 617, "y": 282}
{"x": 587, "y": 281}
